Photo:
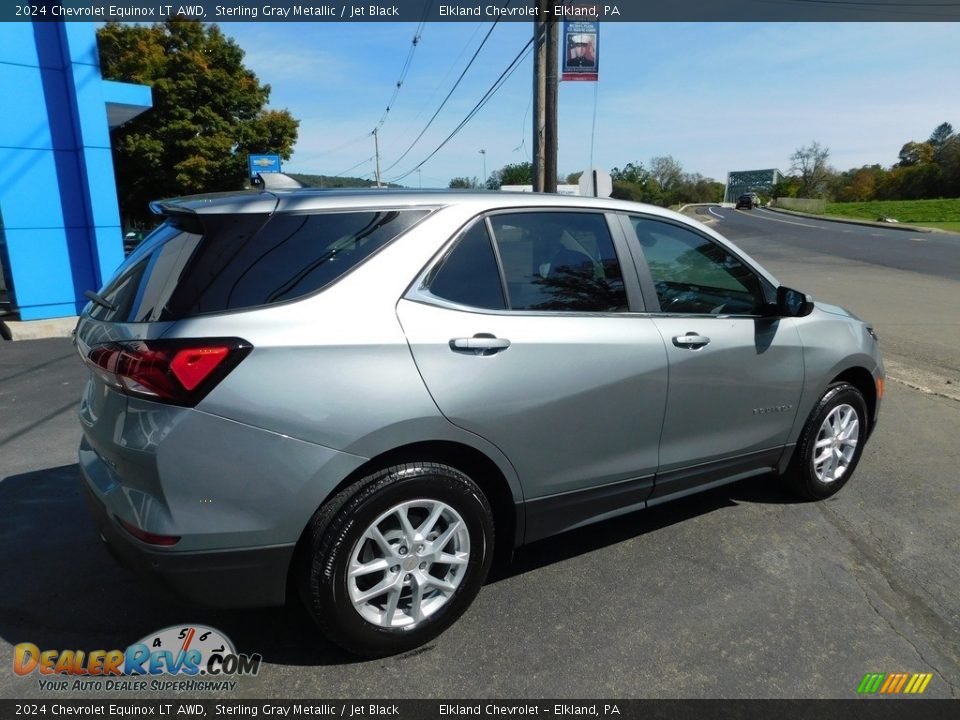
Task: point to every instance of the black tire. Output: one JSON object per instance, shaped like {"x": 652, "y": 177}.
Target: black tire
{"x": 338, "y": 526}
{"x": 801, "y": 474}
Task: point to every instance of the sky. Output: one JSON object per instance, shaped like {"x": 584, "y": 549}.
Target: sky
{"x": 717, "y": 97}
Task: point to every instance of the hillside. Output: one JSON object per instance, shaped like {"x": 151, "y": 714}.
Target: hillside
{"x": 327, "y": 181}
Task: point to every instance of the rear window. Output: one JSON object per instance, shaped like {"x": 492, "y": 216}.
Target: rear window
{"x": 233, "y": 262}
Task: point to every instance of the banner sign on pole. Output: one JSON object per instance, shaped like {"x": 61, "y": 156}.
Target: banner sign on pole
{"x": 581, "y": 60}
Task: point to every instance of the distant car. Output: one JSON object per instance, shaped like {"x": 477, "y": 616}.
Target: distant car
{"x": 131, "y": 240}
{"x": 354, "y": 397}
{"x": 748, "y": 201}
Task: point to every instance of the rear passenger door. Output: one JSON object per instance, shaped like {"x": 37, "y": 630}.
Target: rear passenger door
{"x": 528, "y": 332}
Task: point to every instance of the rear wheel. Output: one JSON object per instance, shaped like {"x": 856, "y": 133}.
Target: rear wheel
{"x": 831, "y": 443}
{"x": 396, "y": 558}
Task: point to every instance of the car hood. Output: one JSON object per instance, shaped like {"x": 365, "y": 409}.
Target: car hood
{"x": 836, "y": 310}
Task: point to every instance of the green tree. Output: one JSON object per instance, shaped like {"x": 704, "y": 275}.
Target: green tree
{"x": 209, "y": 112}
{"x": 788, "y": 187}
{"x": 633, "y": 173}
{"x": 634, "y": 182}
{"x": 950, "y": 162}
{"x": 940, "y": 135}
{"x": 464, "y": 183}
{"x": 513, "y": 174}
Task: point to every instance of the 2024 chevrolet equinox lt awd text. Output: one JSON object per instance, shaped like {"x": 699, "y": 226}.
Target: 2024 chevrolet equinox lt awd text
{"x": 359, "y": 395}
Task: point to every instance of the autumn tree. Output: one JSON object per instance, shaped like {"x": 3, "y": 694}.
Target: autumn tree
{"x": 209, "y": 112}
{"x": 915, "y": 153}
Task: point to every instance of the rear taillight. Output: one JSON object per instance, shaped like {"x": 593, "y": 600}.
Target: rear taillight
{"x": 148, "y": 537}
{"x": 180, "y": 372}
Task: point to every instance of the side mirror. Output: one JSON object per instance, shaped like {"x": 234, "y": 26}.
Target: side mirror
{"x": 793, "y": 303}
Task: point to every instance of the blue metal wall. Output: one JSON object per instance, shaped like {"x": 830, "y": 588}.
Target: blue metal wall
{"x": 59, "y": 221}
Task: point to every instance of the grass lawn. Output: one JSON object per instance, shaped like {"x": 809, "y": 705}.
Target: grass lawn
{"x": 943, "y": 214}
{"x": 951, "y": 226}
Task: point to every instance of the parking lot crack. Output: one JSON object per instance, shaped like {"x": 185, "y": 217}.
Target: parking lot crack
{"x": 900, "y": 600}
{"x": 954, "y": 690}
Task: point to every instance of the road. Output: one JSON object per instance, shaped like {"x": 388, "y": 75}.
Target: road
{"x": 937, "y": 254}
{"x": 906, "y": 284}
{"x": 740, "y": 592}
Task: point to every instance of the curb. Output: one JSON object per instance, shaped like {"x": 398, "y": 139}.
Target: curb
{"x": 864, "y": 223}
{"x": 37, "y": 329}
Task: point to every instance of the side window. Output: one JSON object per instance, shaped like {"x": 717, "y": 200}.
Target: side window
{"x": 695, "y": 275}
{"x": 468, "y": 273}
{"x": 559, "y": 261}
{"x": 243, "y": 263}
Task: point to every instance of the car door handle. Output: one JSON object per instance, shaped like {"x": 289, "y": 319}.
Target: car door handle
{"x": 480, "y": 344}
{"x": 691, "y": 340}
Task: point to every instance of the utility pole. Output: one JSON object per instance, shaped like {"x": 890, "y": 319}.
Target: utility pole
{"x": 376, "y": 150}
{"x": 483, "y": 180}
{"x": 539, "y": 94}
{"x": 545, "y": 48}
{"x": 550, "y": 126}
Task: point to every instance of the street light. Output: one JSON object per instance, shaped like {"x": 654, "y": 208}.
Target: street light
{"x": 419, "y": 179}
{"x": 483, "y": 180}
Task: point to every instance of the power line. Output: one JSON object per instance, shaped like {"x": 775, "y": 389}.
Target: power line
{"x": 344, "y": 172}
{"x": 343, "y": 146}
{"x": 406, "y": 65}
{"x": 455, "y": 85}
{"x": 491, "y": 91}
{"x": 443, "y": 80}
{"x": 523, "y": 130}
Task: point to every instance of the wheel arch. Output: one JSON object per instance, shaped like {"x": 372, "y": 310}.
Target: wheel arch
{"x": 507, "y": 509}
{"x": 863, "y": 380}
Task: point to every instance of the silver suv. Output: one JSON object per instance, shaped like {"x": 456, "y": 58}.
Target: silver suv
{"x": 357, "y": 397}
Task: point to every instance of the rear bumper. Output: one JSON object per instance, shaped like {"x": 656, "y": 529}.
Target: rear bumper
{"x": 248, "y": 577}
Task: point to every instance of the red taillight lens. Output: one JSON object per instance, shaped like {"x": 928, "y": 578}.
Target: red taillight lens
{"x": 172, "y": 371}
{"x": 148, "y": 537}
{"x": 193, "y": 366}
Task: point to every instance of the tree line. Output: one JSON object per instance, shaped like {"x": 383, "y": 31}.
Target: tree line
{"x": 661, "y": 182}
{"x": 927, "y": 169}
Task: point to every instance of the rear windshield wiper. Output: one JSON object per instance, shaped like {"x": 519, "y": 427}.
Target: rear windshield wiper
{"x": 99, "y": 300}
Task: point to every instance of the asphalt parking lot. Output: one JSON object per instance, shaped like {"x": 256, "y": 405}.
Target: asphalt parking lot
{"x": 739, "y": 592}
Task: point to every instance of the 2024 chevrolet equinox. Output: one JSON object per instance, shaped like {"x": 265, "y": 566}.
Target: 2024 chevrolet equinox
{"x": 355, "y": 397}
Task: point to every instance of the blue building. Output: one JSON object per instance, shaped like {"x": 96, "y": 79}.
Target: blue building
{"x": 60, "y": 228}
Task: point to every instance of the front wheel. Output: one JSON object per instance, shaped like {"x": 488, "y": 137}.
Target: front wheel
{"x": 396, "y": 558}
{"x": 831, "y": 443}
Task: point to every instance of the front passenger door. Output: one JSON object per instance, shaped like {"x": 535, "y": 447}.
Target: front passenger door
{"x": 735, "y": 376}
